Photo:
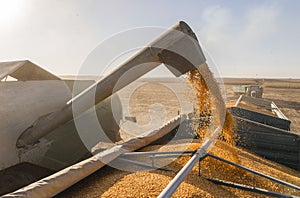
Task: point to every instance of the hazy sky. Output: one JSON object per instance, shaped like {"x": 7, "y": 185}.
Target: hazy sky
{"x": 244, "y": 38}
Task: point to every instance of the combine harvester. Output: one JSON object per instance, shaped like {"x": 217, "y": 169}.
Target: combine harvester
{"x": 38, "y": 130}
{"x": 39, "y": 115}
{"x": 27, "y": 93}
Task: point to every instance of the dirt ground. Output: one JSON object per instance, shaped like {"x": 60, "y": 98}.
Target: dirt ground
{"x": 109, "y": 182}
{"x": 175, "y": 96}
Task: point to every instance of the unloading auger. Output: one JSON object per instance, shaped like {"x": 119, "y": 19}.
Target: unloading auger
{"x": 178, "y": 49}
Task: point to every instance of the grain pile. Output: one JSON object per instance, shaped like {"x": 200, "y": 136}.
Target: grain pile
{"x": 115, "y": 183}
{"x": 150, "y": 184}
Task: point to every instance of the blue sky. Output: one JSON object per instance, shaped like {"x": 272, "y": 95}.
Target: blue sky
{"x": 243, "y": 38}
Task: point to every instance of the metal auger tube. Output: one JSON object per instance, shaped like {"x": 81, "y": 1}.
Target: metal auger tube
{"x": 178, "y": 49}
{"x": 178, "y": 179}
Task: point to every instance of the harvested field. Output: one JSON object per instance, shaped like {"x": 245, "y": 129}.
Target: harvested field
{"x": 139, "y": 107}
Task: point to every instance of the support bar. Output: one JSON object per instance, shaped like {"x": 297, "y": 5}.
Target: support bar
{"x": 168, "y": 156}
{"x": 238, "y": 101}
{"x": 255, "y": 172}
{"x": 277, "y": 111}
{"x": 160, "y": 153}
{"x": 249, "y": 188}
{"x": 144, "y": 165}
{"x": 178, "y": 179}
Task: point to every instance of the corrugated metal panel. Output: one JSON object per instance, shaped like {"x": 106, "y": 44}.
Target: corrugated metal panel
{"x": 270, "y": 142}
{"x": 260, "y": 102}
{"x": 261, "y": 118}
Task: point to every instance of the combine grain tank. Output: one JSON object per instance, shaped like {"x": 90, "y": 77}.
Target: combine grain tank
{"x": 27, "y": 93}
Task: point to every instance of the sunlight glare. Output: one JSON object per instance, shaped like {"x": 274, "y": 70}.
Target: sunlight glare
{"x": 9, "y": 10}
